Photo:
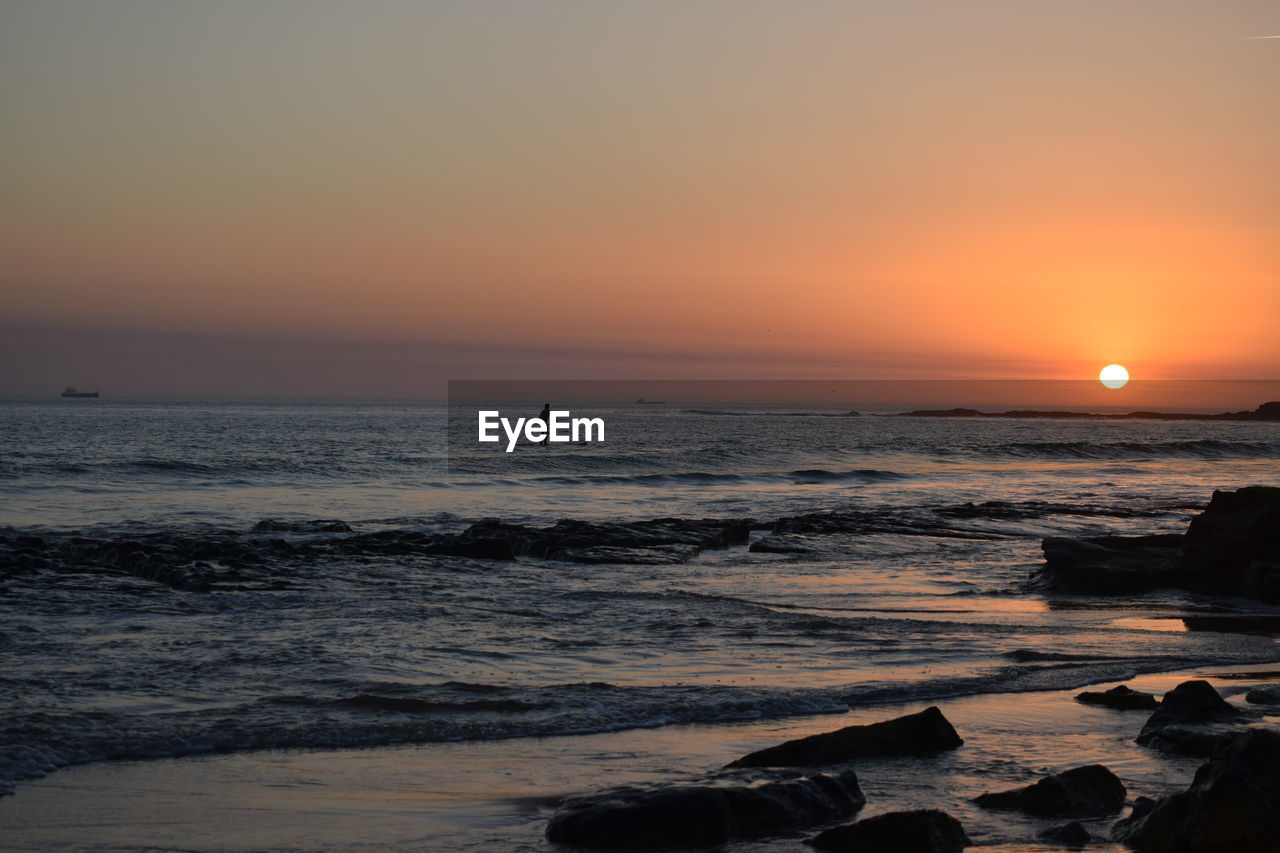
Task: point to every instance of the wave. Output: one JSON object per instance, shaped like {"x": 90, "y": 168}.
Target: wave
{"x": 708, "y": 478}
{"x": 318, "y": 466}
{"x": 861, "y": 475}
{"x": 369, "y": 720}
{"x": 410, "y": 705}
{"x": 1032, "y": 656}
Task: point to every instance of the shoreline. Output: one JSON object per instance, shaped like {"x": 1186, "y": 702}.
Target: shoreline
{"x": 498, "y": 794}
{"x": 1013, "y": 671}
{"x": 772, "y": 599}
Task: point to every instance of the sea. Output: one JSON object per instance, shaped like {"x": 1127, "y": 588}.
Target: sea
{"x": 302, "y": 643}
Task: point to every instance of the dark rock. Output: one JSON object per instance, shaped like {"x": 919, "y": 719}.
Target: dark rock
{"x": 1089, "y": 791}
{"x": 1261, "y": 580}
{"x": 696, "y": 815}
{"x": 323, "y": 525}
{"x": 1234, "y": 545}
{"x": 919, "y": 831}
{"x": 1192, "y": 719}
{"x": 923, "y": 733}
{"x": 1071, "y": 835}
{"x": 406, "y": 543}
{"x": 1122, "y": 698}
{"x": 1232, "y": 548}
{"x": 466, "y": 545}
{"x": 1113, "y": 564}
{"x": 1233, "y": 804}
{"x": 1200, "y": 741}
{"x": 1188, "y": 703}
{"x": 1260, "y": 624}
{"x": 989, "y": 509}
{"x": 1268, "y": 695}
{"x": 594, "y": 542}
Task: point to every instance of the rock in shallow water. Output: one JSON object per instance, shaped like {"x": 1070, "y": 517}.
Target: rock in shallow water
{"x": 1122, "y": 698}
{"x": 1266, "y": 695}
{"x": 919, "y": 831}
{"x": 659, "y": 540}
{"x": 923, "y": 733}
{"x": 1070, "y": 835}
{"x": 696, "y": 815}
{"x": 1090, "y": 791}
{"x": 319, "y": 525}
{"x": 1233, "y": 804}
{"x": 1235, "y": 543}
{"x": 1232, "y": 548}
{"x": 1192, "y": 719}
{"x": 1110, "y": 565}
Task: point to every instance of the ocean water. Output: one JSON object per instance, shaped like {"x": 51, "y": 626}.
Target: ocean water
{"x": 303, "y": 641}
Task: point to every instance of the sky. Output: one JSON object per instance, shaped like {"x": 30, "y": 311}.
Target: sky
{"x": 311, "y": 197}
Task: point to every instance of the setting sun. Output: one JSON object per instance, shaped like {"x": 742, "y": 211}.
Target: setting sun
{"x": 1114, "y": 376}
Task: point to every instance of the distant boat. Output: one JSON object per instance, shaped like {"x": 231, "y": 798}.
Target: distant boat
{"x": 645, "y": 402}
{"x": 72, "y": 392}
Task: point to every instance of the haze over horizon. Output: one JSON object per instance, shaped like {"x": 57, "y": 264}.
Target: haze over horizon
{"x": 325, "y": 199}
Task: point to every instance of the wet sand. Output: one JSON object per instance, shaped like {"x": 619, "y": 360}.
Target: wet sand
{"x": 497, "y": 795}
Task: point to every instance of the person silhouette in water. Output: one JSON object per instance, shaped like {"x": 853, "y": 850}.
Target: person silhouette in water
{"x": 545, "y": 417}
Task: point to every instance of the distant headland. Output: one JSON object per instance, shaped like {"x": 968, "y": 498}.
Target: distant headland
{"x": 1265, "y": 412}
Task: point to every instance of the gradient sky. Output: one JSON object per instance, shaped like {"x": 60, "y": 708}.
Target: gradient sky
{"x": 363, "y": 199}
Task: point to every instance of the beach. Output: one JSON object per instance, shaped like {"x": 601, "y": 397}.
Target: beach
{"x": 293, "y": 626}
{"x": 491, "y": 795}
{"x": 732, "y": 426}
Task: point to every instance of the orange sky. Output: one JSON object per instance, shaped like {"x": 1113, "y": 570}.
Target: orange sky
{"x": 933, "y": 189}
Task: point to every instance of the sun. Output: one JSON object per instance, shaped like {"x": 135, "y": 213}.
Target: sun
{"x": 1114, "y": 376}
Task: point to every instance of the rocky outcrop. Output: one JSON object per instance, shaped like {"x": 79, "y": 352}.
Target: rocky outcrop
{"x": 1266, "y": 695}
{"x": 1261, "y": 624}
{"x": 274, "y": 549}
{"x": 1090, "y": 791}
{"x": 1191, "y": 702}
{"x": 1234, "y": 545}
{"x": 924, "y": 733}
{"x": 403, "y": 543}
{"x": 1072, "y": 835}
{"x": 918, "y": 831}
{"x": 1233, "y": 804}
{"x": 1232, "y": 548}
{"x": 711, "y": 812}
{"x": 1192, "y": 719}
{"x": 1122, "y": 698}
{"x": 183, "y": 563}
{"x": 318, "y": 525}
{"x": 660, "y": 540}
{"x": 1112, "y": 565}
